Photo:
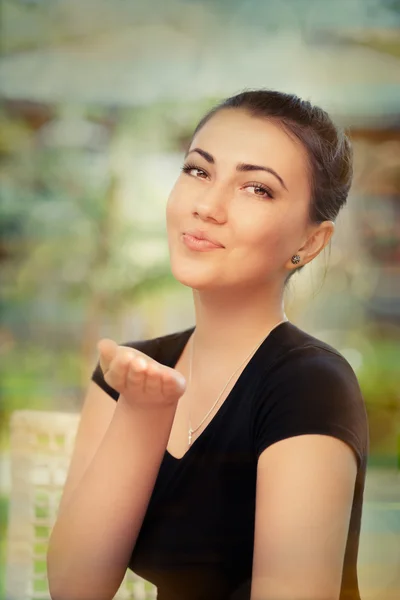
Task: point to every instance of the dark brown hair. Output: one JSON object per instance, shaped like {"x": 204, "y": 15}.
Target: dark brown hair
{"x": 329, "y": 151}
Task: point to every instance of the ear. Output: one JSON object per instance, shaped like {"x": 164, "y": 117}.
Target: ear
{"x": 316, "y": 241}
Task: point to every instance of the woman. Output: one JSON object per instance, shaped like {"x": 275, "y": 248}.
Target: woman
{"x": 232, "y": 465}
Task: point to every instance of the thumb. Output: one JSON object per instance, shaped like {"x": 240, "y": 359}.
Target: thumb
{"x": 107, "y": 349}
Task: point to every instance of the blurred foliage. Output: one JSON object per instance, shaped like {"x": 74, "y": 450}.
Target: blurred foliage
{"x": 64, "y": 264}
{"x": 379, "y": 374}
{"x": 3, "y": 530}
{"x": 393, "y": 5}
{"x": 387, "y": 44}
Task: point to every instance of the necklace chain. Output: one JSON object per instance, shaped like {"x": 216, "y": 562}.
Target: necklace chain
{"x": 191, "y": 430}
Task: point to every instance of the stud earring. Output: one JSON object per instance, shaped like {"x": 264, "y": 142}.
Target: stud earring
{"x": 295, "y": 259}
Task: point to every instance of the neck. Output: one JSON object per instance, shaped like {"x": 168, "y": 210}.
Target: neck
{"x": 229, "y": 323}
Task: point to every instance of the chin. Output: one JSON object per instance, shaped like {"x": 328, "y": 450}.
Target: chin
{"x": 191, "y": 276}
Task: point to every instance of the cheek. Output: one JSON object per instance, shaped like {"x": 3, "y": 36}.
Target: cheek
{"x": 261, "y": 229}
{"x": 270, "y": 237}
{"x": 172, "y": 207}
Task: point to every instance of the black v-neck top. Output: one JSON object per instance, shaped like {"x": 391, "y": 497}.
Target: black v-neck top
{"x": 196, "y": 540}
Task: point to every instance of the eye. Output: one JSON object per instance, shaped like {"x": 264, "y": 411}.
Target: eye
{"x": 188, "y": 167}
{"x": 266, "y": 193}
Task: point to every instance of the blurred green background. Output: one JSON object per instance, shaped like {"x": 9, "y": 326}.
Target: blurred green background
{"x": 98, "y": 100}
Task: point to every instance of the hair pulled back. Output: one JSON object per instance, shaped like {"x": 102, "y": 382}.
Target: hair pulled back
{"x": 328, "y": 148}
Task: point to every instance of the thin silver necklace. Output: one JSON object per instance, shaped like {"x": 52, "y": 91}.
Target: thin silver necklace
{"x": 191, "y": 430}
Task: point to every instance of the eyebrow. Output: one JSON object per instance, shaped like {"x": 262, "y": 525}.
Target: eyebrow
{"x": 241, "y": 167}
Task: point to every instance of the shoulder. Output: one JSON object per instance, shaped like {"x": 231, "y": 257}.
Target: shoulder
{"x": 309, "y": 372}
{"x": 308, "y": 388}
{"x": 301, "y": 354}
{"x": 290, "y": 337}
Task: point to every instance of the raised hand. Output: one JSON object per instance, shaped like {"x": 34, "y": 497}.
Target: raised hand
{"x": 137, "y": 377}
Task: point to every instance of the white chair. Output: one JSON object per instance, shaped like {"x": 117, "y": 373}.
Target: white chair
{"x": 41, "y": 444}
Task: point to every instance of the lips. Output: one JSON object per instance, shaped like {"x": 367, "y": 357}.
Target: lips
{"x": 202, "y": 235}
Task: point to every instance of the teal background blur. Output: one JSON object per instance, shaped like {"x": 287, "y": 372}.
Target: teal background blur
{"x": 97, "y": 102}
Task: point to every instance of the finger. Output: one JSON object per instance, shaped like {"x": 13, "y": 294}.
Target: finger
{"x": 136, "y": 372}
{"x": 171, "y": 382}
{"x": 153, "y": 382}
{"x": 107, "y": 349}
{"x": 117, "y": 372}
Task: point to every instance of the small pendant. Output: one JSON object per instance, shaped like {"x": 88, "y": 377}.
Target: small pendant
{"x": 190, "y": 435}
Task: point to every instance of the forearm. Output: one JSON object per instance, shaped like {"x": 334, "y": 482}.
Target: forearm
{"x": 94, "y": 536}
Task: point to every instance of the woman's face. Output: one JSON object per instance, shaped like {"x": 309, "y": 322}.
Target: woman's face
{"x": 259, "y": 216}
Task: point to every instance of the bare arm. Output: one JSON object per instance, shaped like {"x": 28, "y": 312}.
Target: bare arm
{"x": 96, "y": 532}
{"x": 101, "y": 516}
{"x": 305, "y": 487}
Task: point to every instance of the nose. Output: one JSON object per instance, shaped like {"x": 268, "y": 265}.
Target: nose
{"x": 211, "y": 202}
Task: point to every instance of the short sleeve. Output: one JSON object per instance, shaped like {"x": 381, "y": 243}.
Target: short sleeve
{"x": 149, "y": 347}
{"x": 311, "y": 391}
